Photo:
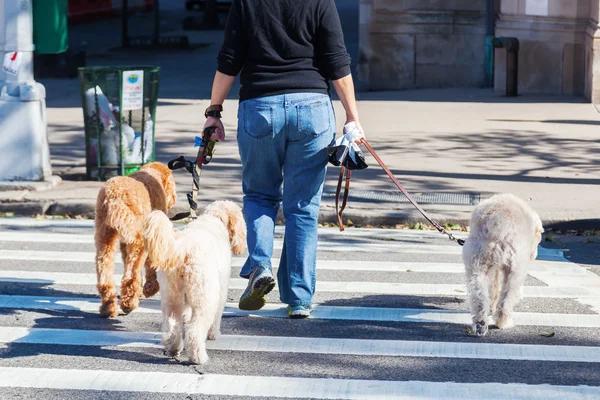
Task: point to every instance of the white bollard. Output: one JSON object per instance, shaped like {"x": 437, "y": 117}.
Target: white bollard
{"x": 24, "y": 152}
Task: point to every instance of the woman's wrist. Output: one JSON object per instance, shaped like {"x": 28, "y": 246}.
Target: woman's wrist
{"x": 214, "y": 110}
{"x": 351, "y": 117}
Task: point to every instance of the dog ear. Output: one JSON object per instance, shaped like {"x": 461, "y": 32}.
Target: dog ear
{"x": 170, "y": 190}
{"x": 237, "y": 230}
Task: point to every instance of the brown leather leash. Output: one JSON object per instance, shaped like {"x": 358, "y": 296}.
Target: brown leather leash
{"x": 339, "y": 210}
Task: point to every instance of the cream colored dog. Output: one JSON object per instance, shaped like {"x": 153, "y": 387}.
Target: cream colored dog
{"x": 503, "y": 240}
{"x": 194, "y": 266}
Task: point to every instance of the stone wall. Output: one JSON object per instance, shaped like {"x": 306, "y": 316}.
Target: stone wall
{"x": 592, "y": 55}
{"x": 421, "y": 43}
{"x": 552, "y": 36}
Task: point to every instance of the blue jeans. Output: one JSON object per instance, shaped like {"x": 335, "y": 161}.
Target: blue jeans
{"x": 282, "y": 141}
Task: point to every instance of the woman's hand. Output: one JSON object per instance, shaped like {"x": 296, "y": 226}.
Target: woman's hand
{"x": 219, "y": 133}
{"x": 355, "y": 126}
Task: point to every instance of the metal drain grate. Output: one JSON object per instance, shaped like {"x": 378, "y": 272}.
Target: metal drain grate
{"x": 462, "y": 199}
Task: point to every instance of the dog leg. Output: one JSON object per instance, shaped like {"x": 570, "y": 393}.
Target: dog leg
{"x": 131, "y": 285}
{"x": 106, "y": 245}
{"x": 495, "y": 290}
{"x": 478, "y": 286}
{"x": 172, "y": 324}
{"x": 196, "y": 332}
{"x": 511, "y": 294}
{"x": 215, "y": 329}
{"x": 151, "y": 286}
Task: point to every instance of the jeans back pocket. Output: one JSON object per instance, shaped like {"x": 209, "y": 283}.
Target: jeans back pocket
{"x": 258, "y": 121}
{"x": 314, "y": 118}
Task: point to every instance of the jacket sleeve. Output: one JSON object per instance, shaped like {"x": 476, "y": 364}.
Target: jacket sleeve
{"x": 332, "y": 56}
{"x": 232, "y": 55}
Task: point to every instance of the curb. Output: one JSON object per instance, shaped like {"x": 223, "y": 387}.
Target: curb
{"x": 327, "y": 215}
{"x": 352, "y": 217}
{"x": 34, "y": 186}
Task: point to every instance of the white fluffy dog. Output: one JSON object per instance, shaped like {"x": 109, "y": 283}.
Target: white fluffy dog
{"x": 503, "y": 240}
{"x": 194, "y": 266}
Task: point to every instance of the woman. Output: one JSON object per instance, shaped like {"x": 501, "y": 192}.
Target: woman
{"x": 287, "y": 52}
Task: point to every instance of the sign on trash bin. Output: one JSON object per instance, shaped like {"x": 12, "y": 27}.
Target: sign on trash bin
{"x": 12, "y": 61}
{"x": 133, "y": 90}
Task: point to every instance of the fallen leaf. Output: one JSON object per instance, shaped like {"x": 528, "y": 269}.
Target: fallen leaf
{"x": 550, "y": 334}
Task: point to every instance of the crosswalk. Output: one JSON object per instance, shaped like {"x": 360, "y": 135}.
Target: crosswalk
{"x": 389, "y": 322}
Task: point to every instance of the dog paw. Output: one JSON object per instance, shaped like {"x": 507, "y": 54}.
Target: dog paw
{"x": 480, "y": 328}
{"x": 505, "y": 321}
{"x": 198, "y": 357}
{"x": 173, "y": 352}
{"x": 109, "y": 310}
{"x": 173, "y": 345}
{"x": 129, "y": 304}
{"x": 213, "y": 335}
{"x": 151, "y": 288}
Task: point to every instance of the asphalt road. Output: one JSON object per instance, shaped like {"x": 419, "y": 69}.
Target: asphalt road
{"x": 390, "y": 323}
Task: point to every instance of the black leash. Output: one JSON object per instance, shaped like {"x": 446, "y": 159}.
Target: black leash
{"x": 205, "y": 155}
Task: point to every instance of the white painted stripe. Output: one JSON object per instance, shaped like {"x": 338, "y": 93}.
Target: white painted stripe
{"x": 279, "y": 386}
{"x": 555, "y": 267}
{"x": 279, "y": 344}
{"x": 408, "y": 289}
{"x": 378, "y": 233}
{"x": 51, "y": 256}
{"x": 52, "y": 222}
{"x": 389, "y": 247}
{"x": 77, "y": 337}
{"x": 38, "y": 237}
{"x": 419, "y": 315}
{"x": 50, "y": 278}
{"x": 382, "y": 234}
{"x": 44, "y": 237}
{"x": 583, "y": 279}
{"x": 320, "y": 312}
{"x": 434, "y": 289}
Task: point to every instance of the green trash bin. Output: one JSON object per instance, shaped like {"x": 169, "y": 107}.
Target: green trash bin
{"x": 50, "y": 26}
{"x": 119, "y": 111}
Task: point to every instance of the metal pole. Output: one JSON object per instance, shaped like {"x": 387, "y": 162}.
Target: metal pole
{"x": 488, "y": 63}
{"x": 125, "y": 24}
{"x": 23, "y": 126}
{"x": 156, "y": 34}
{"x": 512, "y": 73}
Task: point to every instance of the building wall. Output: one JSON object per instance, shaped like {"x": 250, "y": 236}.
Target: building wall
{"x": 440, "y": 43}
{"x": 592, "y": 55}
{"x": 421, "y": 43}
{"x": 552, "y": 36}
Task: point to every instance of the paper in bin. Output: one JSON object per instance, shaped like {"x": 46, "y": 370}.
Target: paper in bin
{"x": 110, "y": 154}
{"x": 148, "y": 133}
{"x": 105, "y": 114}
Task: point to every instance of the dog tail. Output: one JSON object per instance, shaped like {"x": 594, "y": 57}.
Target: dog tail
{"x": 119, "y": 217}
{"x": 161, "y": 243}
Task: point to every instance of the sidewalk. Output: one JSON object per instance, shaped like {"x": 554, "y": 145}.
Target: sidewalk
{"x": 452, "y": 146}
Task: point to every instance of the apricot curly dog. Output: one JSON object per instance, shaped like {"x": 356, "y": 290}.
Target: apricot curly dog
{"x": 122, "y": 205}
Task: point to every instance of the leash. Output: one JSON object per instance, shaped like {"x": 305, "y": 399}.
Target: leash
{"x": 398, "y": 185}
{"x": 204, "y": 156}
